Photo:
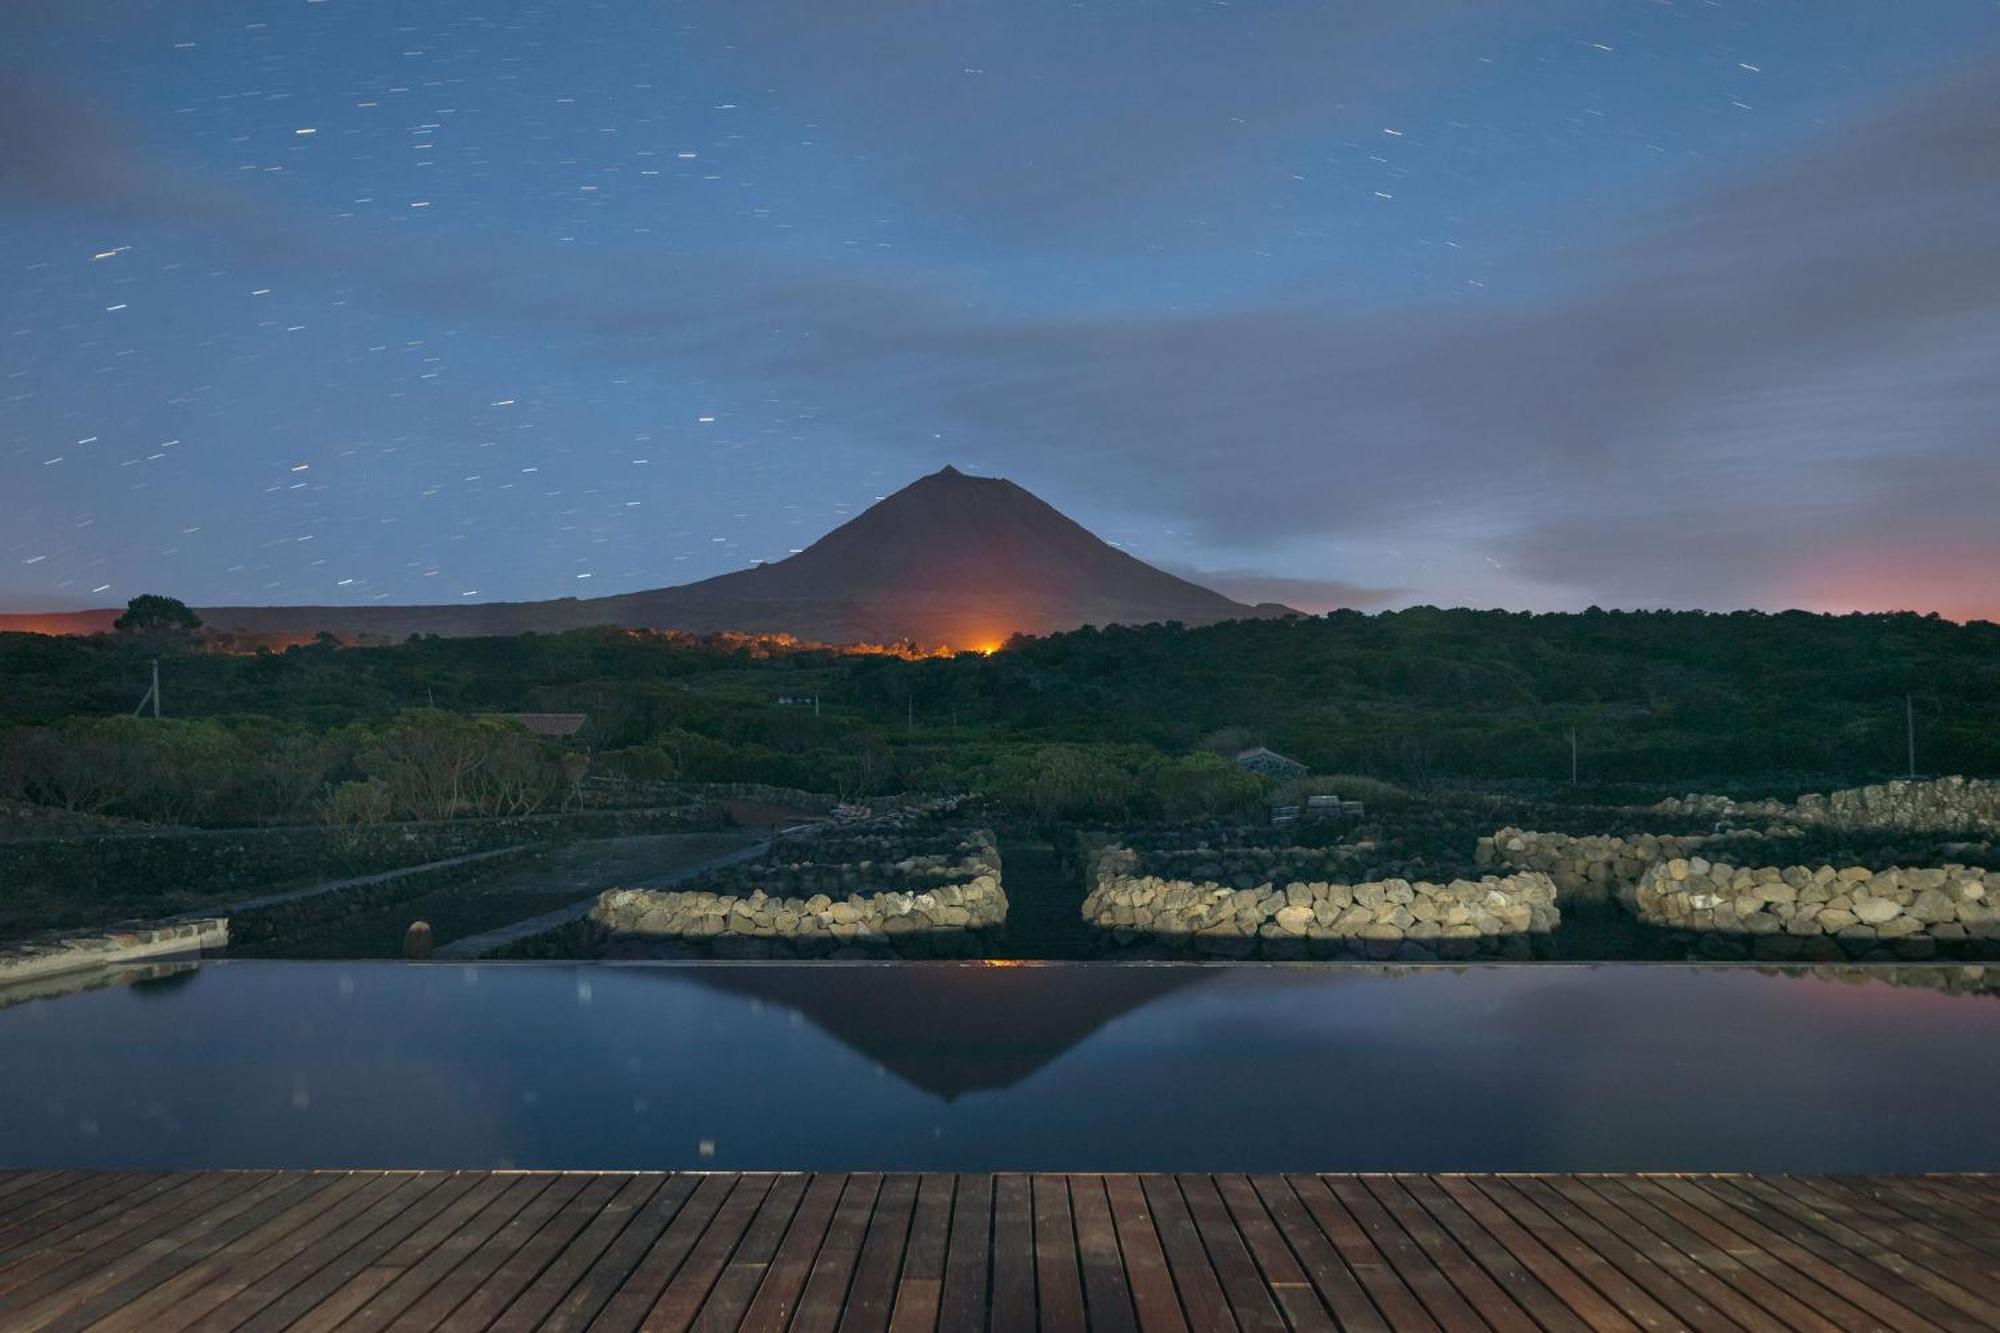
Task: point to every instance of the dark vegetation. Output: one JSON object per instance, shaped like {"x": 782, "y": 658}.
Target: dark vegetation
{"x": 1096, "y": 724}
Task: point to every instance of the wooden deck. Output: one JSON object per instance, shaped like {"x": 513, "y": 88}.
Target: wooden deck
{"x": 531, "y": 1250}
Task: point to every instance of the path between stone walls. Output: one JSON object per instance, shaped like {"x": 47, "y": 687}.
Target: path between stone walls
{"x": 359, "y": 881}
{"x": 486, "y": 941}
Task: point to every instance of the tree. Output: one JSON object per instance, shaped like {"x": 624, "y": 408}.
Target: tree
{"x": 150, "y": 613}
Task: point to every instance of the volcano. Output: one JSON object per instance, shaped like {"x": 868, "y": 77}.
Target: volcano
{"x": 948, "y": 560}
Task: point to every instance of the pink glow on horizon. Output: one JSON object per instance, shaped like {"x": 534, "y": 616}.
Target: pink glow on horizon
{"x": 1958, "y": 580}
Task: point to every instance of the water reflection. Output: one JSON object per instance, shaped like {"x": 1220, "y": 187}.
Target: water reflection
{"x": 961, "y": 1066}
{"x": 1001, "y": 1029}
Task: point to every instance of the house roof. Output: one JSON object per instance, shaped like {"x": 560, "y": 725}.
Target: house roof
{"x": 545, "y": 724}
{"x": 1259, "y": 754}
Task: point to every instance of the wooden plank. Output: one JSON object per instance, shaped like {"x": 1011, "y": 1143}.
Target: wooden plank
{"x": 1980, "y": 1195}
{"x": 872, "y": 1293}
{"x": 615, "y": 1262}
{"x": 739, "y": 1280}
{"x": 1525, "y": 1289}
{"x": 1351, "y": 1242}
{"x": 1013, "y": 1255}
{"x": 243, "y": 1239}
{"x": 646, "y": 1277}
{"x": 1833, "y": 1277}
{"x": 1845, "y": 1226}
{"x": 1886, "y": 1274}
{"x": 56, "y": 1188}
{"x": 1665, "y": 1285}
{"x": 1107, "y": 1297}
{"x": 1934, "y": 1221}
{"x": 297, "y": 1301}
{"x": 16, "y": 1181}
{"x": 247, "y": 1287}
{"x": 826, "y": 1286}
{"x": 416, "y": 1280}
{"x": 1195, "y": 1280}
{"x": 1250, "y": 1301}
{"x": 85, "y": 1195}
{"x": 685, "y": 1295}
{"x": 1058, "y": 1284}
{"x": 1329, "y": 1274}
{"x": 247, "y": 1293}
{"x": 434, "y": 1306}
{"x": 1565, "y": 1283}
{"x": 777, "y": 1297}
{"x": 1595, "y": 1268}
{"x": 1286, "y": 1281}
{"x": 100, "y": 1260}
{"x": 1480, "y": 1291}
{"x": 920, "y": 1290}
{"x": 1418, "y": 1272}
{"x": 49, "y": 1236}
{"x": 1154, "y": 1300}
{"x": 962, "y": 1303}
{"x": 1774, "y": 1286}
{"x": 175, "y": 1305}
{"x": 1916, "y": 1240}
{"x": 1686, "y": 1269}
{"x": 362, "y": 1282}
{"x": 67, "y": 1296}
{"x": 507, "y": 1283}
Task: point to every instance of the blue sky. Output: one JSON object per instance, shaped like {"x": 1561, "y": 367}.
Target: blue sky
{"x": 1538, "y": 305}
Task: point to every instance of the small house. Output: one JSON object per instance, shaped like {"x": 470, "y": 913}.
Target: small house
{"x": 549, "y": 726}
{"x": 1270, "y": 764}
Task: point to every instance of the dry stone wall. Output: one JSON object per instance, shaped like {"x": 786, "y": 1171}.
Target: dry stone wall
{"x": 1822, "y": 912}
{"x": 1275, "y": 916}
{"x": 934, "y": 902}
{"x": 1947, "y": 804}
{"x": 30, "y": 960}
{"x": 1588, "y": 868}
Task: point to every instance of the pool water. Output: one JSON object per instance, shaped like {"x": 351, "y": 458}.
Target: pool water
{"x": 947, "y": 1066}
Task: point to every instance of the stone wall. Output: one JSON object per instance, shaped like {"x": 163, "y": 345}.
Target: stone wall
{"x": 932, "y": 901}
{"x": 30, "y": 960}
{"x": 1594, "y": 868}
{"x": 1277, "y": 916}
{"x": 1952, "y": 804}
{"x": 1821, "y": 912}
{"x": 1598, "y": 868}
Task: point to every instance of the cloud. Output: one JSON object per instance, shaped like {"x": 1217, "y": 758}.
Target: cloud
{"x": 1044, "y": 118}
{"x": 58, "y": 150}
{"x": 1301, "y": 594}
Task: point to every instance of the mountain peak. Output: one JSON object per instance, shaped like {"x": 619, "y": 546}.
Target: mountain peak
{"x": 948, "y": 559}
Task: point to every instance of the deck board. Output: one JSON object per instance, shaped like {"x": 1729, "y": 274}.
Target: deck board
{"x": 725, "y": 1252}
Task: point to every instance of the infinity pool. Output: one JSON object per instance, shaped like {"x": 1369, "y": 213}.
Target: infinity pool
{"x": 981, "y": 1067}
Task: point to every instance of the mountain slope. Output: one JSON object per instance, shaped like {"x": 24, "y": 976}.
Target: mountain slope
{"x": 949, "y": 559}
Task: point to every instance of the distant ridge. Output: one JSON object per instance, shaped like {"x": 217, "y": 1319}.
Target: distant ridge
{"x": 947, "y": 560}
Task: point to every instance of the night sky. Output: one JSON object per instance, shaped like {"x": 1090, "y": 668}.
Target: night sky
{"x": 1534, "y": 305}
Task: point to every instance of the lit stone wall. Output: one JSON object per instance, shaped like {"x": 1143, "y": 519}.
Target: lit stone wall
{"x": 931, "y": 903}
{"x": 1821, "y": 912}
{"x": 1274, "y": 916}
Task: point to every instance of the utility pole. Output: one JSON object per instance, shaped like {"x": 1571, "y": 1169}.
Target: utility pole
{"x": 152, "y": 694}
{"x": 1910, "y": 732}
{"x": 1572, "y": 756}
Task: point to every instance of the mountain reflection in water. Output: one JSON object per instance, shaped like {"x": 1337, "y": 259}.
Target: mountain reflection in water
{"x": 953, "y": 1030}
